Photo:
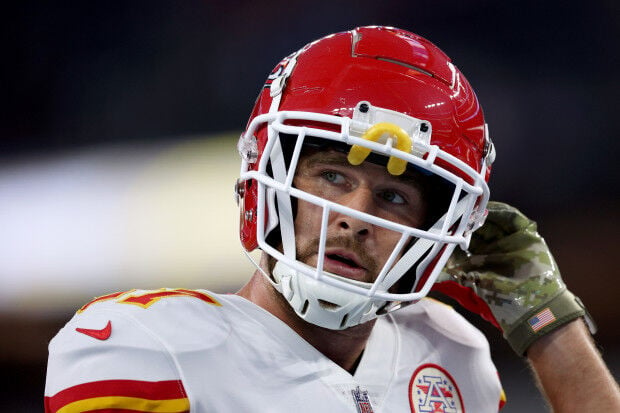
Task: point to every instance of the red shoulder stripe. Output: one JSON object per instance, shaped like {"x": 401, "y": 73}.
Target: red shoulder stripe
{"x": 116, "y": 410}
{"x": 146, "y": 390}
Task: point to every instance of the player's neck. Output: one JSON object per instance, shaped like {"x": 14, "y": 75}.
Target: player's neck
{"x": 343, "y": 347}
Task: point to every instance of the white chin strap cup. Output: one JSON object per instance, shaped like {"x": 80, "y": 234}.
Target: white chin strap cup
{"x": 320, "y": 304}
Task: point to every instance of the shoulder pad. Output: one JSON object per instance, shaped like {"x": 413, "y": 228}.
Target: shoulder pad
{"x": 443, "y": 319}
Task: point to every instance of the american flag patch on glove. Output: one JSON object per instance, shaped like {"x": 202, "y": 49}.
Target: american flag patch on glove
{"x": 545, "y": 317}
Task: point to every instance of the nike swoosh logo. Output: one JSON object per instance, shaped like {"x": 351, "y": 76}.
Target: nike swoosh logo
{"x": 101, "y": 334}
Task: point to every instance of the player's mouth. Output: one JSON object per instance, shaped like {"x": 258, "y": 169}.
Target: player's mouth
{"x": 345, "y": 264}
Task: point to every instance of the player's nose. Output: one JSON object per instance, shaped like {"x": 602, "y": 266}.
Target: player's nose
{"x": 361, "y": 199}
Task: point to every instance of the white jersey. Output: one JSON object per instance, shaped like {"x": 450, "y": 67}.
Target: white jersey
{"x": 175, "y": 350}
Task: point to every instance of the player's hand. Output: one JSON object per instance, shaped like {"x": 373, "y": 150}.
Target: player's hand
{"x": 510, "y": 278}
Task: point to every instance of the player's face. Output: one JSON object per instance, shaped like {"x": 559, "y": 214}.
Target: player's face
{"x": 355, "y": 249}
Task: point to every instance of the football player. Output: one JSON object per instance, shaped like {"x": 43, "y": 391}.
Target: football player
{"x": 363, "y": 182}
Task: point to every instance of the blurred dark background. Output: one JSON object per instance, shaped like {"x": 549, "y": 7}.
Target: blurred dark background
{"x": 82, "y": 75}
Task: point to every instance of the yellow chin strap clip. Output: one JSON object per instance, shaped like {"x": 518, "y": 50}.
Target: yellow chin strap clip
{"x": 402, "y": 141}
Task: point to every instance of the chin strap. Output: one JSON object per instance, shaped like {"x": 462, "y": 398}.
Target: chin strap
{"x": 321, "y": 304}
{"x": 257, "y": 265}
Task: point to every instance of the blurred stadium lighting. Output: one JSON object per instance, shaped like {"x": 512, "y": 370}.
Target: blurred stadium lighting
{"x": 89, "y": 222}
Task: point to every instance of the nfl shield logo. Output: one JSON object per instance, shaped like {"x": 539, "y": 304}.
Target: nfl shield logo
{"x": 362, "y": 402}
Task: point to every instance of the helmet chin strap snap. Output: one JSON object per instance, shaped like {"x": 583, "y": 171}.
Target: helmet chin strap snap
{"x": 390, "y": 133}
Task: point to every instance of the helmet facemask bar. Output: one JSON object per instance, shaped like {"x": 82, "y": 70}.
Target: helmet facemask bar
{"x": 433, "y": 245}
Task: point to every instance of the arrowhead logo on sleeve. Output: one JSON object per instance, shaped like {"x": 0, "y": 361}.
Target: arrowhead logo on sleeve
{"x": 433, "y": 390}
{"x": 100, "y": 334}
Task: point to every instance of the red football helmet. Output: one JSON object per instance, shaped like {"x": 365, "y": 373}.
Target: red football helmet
{"x": 372, "y": 89}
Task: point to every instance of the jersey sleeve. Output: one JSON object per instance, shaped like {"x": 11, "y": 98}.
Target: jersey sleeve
{"x": 458, "y": 347}
{"x": 502, "y": 400}
{"x": 103, "y": 360}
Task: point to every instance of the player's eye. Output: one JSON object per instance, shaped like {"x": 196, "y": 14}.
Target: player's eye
{"x": 391, "y": 197}
{"x": 333, "y": 177}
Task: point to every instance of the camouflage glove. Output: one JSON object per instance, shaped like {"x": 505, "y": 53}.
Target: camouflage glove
{"x": 510, "y": 278}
